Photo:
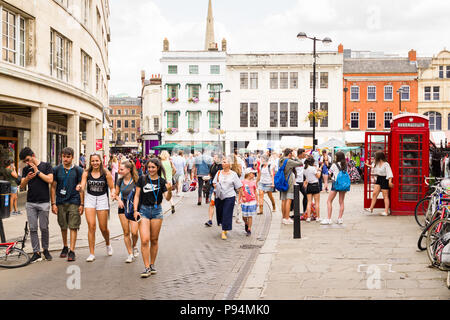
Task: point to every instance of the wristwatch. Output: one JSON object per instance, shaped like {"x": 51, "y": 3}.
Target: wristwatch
{"x": 38, "y": 173}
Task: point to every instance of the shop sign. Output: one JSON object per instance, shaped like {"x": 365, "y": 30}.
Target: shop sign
{"x": 99, "y": 145}
{"x": 411, "y": 125}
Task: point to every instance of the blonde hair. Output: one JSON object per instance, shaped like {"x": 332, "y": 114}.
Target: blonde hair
{"x": 132, "y": 167}
{"x": 164, "y": 155}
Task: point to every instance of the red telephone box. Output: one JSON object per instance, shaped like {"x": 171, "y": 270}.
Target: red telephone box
{"x": 407, "y": 149}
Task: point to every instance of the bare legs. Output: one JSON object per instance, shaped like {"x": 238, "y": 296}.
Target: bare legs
{"x": 330, "y": 203}
{"x": 149, "y": 231}
{"x": 102, "y": 217}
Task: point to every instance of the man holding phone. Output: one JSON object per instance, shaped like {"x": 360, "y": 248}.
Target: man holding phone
{"x": 37, "y": 176}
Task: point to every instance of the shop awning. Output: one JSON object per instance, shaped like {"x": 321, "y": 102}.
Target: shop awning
{"x": 172, "y": 84}
{"x": 193, "y": 84}
{"x": 192, "y": 111}
{"x": 354, "y": 137}
{"x": 437, "y": 137}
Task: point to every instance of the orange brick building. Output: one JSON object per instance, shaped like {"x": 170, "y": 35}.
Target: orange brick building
{"x": 371, "y": 91}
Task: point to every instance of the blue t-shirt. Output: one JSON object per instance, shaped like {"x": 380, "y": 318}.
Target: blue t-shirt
{"x": 203, "y": 163}
{"x": 67, "y": 180}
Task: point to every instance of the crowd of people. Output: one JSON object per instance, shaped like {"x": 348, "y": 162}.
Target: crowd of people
{"x": 230, "y": 185}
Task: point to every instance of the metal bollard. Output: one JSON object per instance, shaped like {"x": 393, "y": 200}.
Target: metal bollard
{"x": 297, "y": 227}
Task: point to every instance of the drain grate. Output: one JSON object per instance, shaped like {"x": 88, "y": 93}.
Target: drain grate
{"x": 250, "y": 246}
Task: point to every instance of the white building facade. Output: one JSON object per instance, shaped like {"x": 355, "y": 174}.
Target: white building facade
{"x": 151, "y": 113}
{"x": 271, "y": 95}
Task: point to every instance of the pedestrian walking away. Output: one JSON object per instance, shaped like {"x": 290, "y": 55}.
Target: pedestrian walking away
{"x": 311, "y": 184}
{"x": 338, "y": 170}
{"x": 216, "y": 167}
{"x": 169, "y": 172}
{"x": 382, "y": 170}
{"x": 125, "y": 186}
{"x": 96, "y": 181}
{"x": 248, "y": 199}
{"x": 326, "y": 164}
{"x": 8, "y": 171}
{"x": 67, "y": 201}
{"x": 37, "y": 176}
{"x": 180, "y": 165}
{"x": 202, "y": 163}
{"x": 150, "y": 190}
{"x": 265, "y": 183}
{"x": 226, "y": 182}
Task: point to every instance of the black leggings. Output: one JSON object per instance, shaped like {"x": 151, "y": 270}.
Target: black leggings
{"x": 200, "y": 188}
{"x": 305, "y": 199}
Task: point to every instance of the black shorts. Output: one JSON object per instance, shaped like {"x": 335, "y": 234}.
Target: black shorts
{"x": 383, "y": 182}
{"x": 313, "y": 188}
{"x": 121, "y": 211}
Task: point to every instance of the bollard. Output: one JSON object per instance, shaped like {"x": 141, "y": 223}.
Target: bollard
{"x": 2, "y": 232}
{"x": 297, "y": 227}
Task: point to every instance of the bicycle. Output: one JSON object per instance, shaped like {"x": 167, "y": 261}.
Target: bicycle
{"x": 445, "y": 214}
{"x": 13, "y": 257}
{"x": 430, "y": 203}
{"x": 434, "y": 244}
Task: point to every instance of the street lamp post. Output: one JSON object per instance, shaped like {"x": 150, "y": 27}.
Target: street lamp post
{"x": 326, "y": 40}
{"x": 219, "y": 92}
{"x": 400, "y": 91}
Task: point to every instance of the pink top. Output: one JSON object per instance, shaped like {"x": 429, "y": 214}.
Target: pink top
{"x": 248, "y": 190}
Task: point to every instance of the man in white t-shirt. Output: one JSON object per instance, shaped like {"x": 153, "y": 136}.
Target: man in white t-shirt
{"x": 179, "y": 163}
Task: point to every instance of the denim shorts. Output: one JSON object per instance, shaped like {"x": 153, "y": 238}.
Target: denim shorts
{"x": 14, "y": 190}
{"x": 150, "y": 212}
{"x": 266, "y": 187}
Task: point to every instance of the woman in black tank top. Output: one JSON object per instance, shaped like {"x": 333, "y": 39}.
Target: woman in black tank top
{"x": 96, "y": 181}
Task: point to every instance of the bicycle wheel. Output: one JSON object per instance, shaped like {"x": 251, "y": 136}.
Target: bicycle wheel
{"x": 421, "y": 210}
{"x": 436, "y": 230}
{"x": 16, "y": 258}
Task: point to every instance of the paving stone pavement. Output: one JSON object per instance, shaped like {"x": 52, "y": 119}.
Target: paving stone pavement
{"x": 368, "y": 257}
{"x": 192, "y": 263}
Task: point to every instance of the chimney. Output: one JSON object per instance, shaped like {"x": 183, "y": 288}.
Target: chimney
{"x": 165, "y": 45}
{"x": 224, "y": 45}
{"x": 142, "y": 76}
{"x": 340, "y": 48}
{"x": 412, "y": 55}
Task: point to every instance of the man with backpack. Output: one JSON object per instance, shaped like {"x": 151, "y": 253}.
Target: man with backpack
{"x": 284, "y": 182}
{"x": 67, "y": 200}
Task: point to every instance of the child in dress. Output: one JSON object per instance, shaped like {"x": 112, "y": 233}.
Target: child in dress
{"x": 249, "y": 199}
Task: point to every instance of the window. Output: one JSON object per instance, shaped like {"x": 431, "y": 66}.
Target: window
{"x": 371, "y": 93}
{"x": 294, "y": 115}
{"x": 253, "y": 115}
{"x": 324, "y": 80}
{"x": 388, "y": 93}
{"x": 126, "y": 123}
{"x": 119, "y": 124}
{"x": 354, "y": 120}
{"x": 311, "y": 79}
{"x": 244, "y": 115}
{"x": 125, "y": 112}
{"x": 441, "y": 72}
{"x": 193, "y": 69}
{"x": 133, "y": 124}
{"x": 311, "y": 123}
{"x": 86, "y": 11}
{"x": 119, "y": 136}
{"x": 119, "y": 112}
{"x": 172, "y": 119}
{"x": 284, "y": 80}
{"x": 193, "y": 120}
{"x": 284, "y": 113}
{"x": 324, "y": 107}
{"x": 254, "y": 80}
{"x": 435, "y": 93}
{"x": 133, "y": 111}
{"x": 427, "y": 93}
{"x": 273, "y": 114}
{"x": 354, "y": 93}
{"x": 173, "y": 69}
{"x": 294, "y": 80}
{"x": 126, "y": 136}
{"x": 244, "y": 80}
{"x": 156, "y": 124}
{"x": 371, "y": 122}
{"x": 387, "y": 120}
{"x": 213, "y": 119}
{"x": 133, "y": 137}
{"x": 194, "y": 91}
{"x": 274, "y": 80}
{"x": 85, "y": 70}
{"x": 215, "y": 88}
{"x": 215, "y": 69}
{"x": 448, "y": 72}
{"x": 60, "y": 48}
{"x": 10, "y": 23}
{"x": 172, "y": 91}
{"x": 99, "y": 26}
{"x": 405, "y": 93}
{"x": 97, "y": 78}
{"x": 65, "y": 3}
{"x": 435, "y": 120}
{"x": 110, "y": 111}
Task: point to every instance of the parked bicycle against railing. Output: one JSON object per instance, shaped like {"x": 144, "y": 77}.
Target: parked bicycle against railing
{"x": 11, "y": 256}
{"x": 427, "y": 206}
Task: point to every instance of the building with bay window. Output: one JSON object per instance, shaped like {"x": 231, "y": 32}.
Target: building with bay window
{"x": 54, "y": 77}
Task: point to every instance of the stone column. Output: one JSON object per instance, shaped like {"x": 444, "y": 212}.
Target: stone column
{"x": 90, "y": 137}
{"x": 39, "y": 131}
{"x": 73, "y": 135}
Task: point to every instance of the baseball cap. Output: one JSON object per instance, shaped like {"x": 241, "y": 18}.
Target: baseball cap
{"x": 250, "y": 170}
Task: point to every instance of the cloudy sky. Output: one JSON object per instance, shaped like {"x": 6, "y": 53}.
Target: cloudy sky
{"x": 138, "y": 28}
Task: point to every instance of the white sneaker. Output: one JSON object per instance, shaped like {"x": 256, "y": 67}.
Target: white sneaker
{"x": 325, "y": 221}
{"x": 384, "y": 214}
{"x": 136, "y": 252}
{"x": 130, "y": 259}
{"x": 287, "y": 221}
{"x": 308, "y": 219}
{"x": 109, "y": 250}
{"x": 340, "y": 221}
{"x": 90, "y": 258}
{"x": 319, "y": 220}
{"x": 290, "y": 221}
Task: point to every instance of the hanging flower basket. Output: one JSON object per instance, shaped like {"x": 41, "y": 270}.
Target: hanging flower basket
{"x": 172, "y": 100}
{"x": 319, "y": 115}
{"x": 192, "y": 131}
{"x": 193, "y": 100}
{"x": 216, "y": 131}
{"x": 171, "y": 130}
{"x": 213, "y": 100}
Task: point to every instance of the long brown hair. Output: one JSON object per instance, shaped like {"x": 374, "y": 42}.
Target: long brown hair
{"x": 380, "y": 156}
{"x": 103, "y": 171}
{"x": 235, "y": 166}
{"x": 132, "y": 167}
{"x": 157, "y": 163}
{"x": 340, "y": 158}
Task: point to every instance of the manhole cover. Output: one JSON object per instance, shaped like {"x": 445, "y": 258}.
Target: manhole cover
{"x": 250, "y": 246}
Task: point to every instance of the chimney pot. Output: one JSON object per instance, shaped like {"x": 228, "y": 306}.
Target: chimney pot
{"x": 340, "y": 48}
{"x": 412, "y": 55}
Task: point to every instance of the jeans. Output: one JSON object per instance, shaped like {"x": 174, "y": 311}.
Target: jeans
{"x": 38, "y": 213}
{"x": 224, "y": 213}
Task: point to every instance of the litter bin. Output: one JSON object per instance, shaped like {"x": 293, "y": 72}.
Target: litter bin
{"x": 5, "y": 199}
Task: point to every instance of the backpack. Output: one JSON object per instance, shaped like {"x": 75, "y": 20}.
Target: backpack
{"x": 281, "y": 184}
{"x": 129, "y": 204}
{"x": 342, "y": 182}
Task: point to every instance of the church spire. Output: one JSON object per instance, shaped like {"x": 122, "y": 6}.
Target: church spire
{"x": 209, "y": 40}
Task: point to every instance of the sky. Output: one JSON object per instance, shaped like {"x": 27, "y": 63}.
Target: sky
{"x": 138, "y": 28}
